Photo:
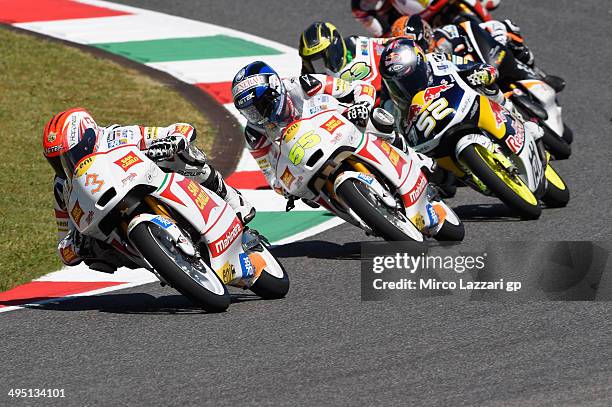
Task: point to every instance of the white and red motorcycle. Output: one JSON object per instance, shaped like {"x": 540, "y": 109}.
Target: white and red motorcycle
{"x": 188, "y": 236}
{"x": 357, "y": 175}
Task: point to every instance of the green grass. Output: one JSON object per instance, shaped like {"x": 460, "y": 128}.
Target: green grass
{"x": 39, "y": 78}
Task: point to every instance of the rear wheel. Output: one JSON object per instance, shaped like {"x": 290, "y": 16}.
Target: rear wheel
{"x": 557, "y": 194}
{"x": 189, "y": 275}
{"x": 509, "y": 188}
{"x": 556, "y": 145}
{"x": 389, "y": 223}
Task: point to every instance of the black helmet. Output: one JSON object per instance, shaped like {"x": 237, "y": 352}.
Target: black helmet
{"x": 404, "y": 69}
{"x": 322, "y": 49}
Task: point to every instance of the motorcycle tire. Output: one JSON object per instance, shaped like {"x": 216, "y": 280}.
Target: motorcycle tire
{"x": 270, "y": 287}
{"x": 349, "y": 192}
{"x": 557, "y": 194}
{"x": 568, "y": 134}
{"x": 556, "y": 145}
{"x": 149, "y": 240}
{"x": 516, "y": 195}
{"x": 450, "y": 233}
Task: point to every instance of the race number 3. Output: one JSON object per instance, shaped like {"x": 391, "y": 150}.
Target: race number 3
{"x": 428, "y": 119}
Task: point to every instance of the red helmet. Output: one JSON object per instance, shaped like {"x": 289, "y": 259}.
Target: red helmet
{"x": 68, "y": 137}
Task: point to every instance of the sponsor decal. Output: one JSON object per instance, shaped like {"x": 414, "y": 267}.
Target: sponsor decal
{"x": 162, "y": 221}
{"x": 51, "y": 137}
{"x": 498, "y": 113}
{"x": 248, "y": 270}
{"x": 89, "y": 217}
{"x": 198, "y": 196}
{"x": 291, "y": 131}
{"x": 53, "y": 149}
{"x": 433, "y": 216}
{"x": 392, "y": 154}
{"x": 434, "y": 92}
{"x": 77, "y": 213}
{"x": 151, "y": 133}
{"x": 128, "y": 179}
{"x": 366, "y": 178}
{"x": 417, "y": 190}
{"x": 245, "y": 99}
{"x": 248, "y": 83}
{"x": 240, "y": 74}
{"x": 515, "y": 142}
{"x": 183, "y": 129}
{"x": 263, "y": 163}
{"x": 226, "y": 273}
{"x": 68, "y": 254}
{"x": 367, "y": 90}
{"x": 332, "y": 124}
{"x": 287, "y": 177}
{"x": 219, "y": 246}
{"x": 340, "y": 86}
{"x": 84, "y": 165}
{"x": 418, "y": 221}
{"x": 92, "y": 180}
{"x": 127, "y": 161}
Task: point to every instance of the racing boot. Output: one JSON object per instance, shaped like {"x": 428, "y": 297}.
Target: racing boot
{"x": 214, "y": 181}
{"x": 244, "y": 210}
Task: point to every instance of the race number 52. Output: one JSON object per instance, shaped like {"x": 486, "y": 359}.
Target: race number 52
{"x": 428, "y": 119}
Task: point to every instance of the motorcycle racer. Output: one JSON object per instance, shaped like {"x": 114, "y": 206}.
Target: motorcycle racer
{"x": 377, "y": 16}
{"x": 511, "y": 55}
{"x": 324, "y": 51}
{"x": 270, "y": 104}
{"x": 407, "y": 70}
{"x": 70, "y": 135}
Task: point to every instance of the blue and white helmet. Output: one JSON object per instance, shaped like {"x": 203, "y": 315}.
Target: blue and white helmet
{"x": 259, "y": 95}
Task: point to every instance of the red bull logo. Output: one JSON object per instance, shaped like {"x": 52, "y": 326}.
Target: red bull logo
{"x": 433, "y": 92}
{"x": 498, "y": 113}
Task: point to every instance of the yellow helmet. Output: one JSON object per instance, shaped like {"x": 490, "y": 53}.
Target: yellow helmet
{"x": 322, "y": 49}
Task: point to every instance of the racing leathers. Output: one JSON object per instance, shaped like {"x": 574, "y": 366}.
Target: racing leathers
{"x": 480, "y": 76}
{"x": 377, "y": 16}
{"x": 173, "y": 150}
{"x": 263, "y": 141}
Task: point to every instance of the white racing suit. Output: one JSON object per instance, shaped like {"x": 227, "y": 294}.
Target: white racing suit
{"x": 170, "y": 147}
{"x": 263, "y": 142}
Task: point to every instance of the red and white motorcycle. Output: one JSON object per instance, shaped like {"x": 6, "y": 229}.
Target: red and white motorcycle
{"x": 357, "y": 175}
{"x": 188, "y": 236}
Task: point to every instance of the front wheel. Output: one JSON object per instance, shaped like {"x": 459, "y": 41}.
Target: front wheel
{"x": 557, "y": 194}
{"x": 556, "y": 145}
{"x": 510, "y": 189}
{"x": 189, "y": 275}
{"x": 273, "y": 282}
{"x": 388, "y": 223}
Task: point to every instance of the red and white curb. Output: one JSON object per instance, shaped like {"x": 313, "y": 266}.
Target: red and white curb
{"x": 91, "y": 22}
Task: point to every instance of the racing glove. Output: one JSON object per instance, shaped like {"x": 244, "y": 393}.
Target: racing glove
{"x": 481, "y": 75}
{"x": 166, "y": 148}
{"x": 359, "y": 113}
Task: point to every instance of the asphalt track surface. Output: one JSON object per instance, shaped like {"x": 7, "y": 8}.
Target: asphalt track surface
{"x": 322, "y": 345}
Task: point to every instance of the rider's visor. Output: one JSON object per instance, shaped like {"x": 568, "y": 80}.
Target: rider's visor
{"x": 85, "y": 147}
{"x": 335, "y": 54}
